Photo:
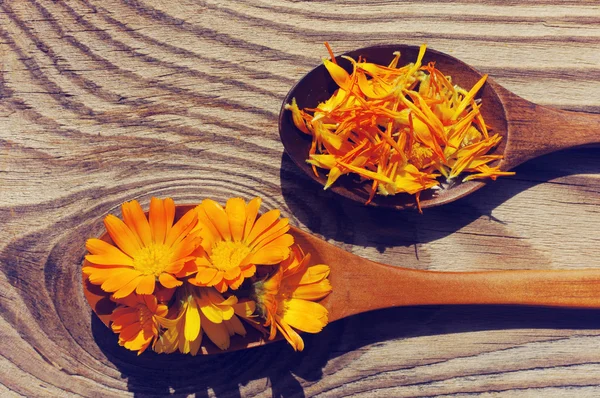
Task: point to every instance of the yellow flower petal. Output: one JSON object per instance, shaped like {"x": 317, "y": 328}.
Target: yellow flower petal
{"x": 469, "y": 97}
{"x": 176, "y": 266}
{"x": 216, "y": 332}
{"x": 275, "y": 231}
{"x": 150, "y": 302}
{"x": 290, "y": 335}
{"x": 136, "y": 220}
{"x": 297, "y": 116}
{"x": 249, "y": 270}
{"x": 236, "y": 213}
{"x": 285, "y": 240}
{"x": 323, "y": 161}
{"x": 146, "y": 285}
{"x": 314, "y": 274}
{"x": 189, "y": 268}
{"x": 270, "y": 255}
{"x": 166, "y": 343}
{"x": 127, "y": 289}
{"x": 235, "y": 326}
{"x": 123, "y": 317}
{"x": 307, "y": 316}
{"x": 98, "y": 276}
{"x": 169, "y": 281}
{"x": 120, "y": 279}
{"x": 121, "y": 235}
{"x": 234, "y": 283}
{"x": 158, "y": 220}
{"x": 139, "y": 343}
{"x": 262, "y": 224}
{"x": 130, "y": 332}
{"x": 169, "y": 206}
{"x": 232, "y": 273}
{"x": 194, "y": 346}
{"x": 206, "y": 229}
{"x": 244, "y": 308}
{"x": 182, "y": 228}
{"x": 218, "y": 217}
{"x": 338, "y": 74}
{"x": 251, "y": 213}
{"x": 221, "y": 285}
{"x": 313, "y": 291}
{"x": 205, "y": 275}
{"x": 192, "y": 321}
{"x": 106, "y": 254}
{"x": 185, "y": 247}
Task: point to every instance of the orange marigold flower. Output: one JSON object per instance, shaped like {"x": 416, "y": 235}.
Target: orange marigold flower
{"x": 287, "y": 299}
{"x": 136, "y": 321}
{"x": 147, "y": 249}
{"x": 202, "y": 311}
{"x": 234, "y": 242}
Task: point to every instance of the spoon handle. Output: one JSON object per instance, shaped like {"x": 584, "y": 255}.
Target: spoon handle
{"x": 393, "y": 286}
{"x": 535, "y": 130}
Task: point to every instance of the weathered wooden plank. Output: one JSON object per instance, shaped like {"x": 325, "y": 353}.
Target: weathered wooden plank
{"x": 107, "y": 101}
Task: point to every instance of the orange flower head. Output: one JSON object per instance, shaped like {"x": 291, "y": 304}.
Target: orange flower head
{"x": 234, "y": 241}
{"x": 202, "y": 311}
{"x": 146, "y": 250}
{"x": 136, "y": 320}
{"x": 287, "y": 299}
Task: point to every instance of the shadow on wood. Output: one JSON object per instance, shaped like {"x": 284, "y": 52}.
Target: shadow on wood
{"x": 154, "y": 374}
{"x": 151, "y": 374}
{"x": 52, "y": 304}
{"x": 335, "y": 217}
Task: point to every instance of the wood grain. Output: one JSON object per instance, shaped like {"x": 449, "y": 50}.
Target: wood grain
{"x": 107, "y": 101}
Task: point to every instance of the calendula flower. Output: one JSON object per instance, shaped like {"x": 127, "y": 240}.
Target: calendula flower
{"x": 286, "y": 300}
{"x": 203, "y": 311}
{"x": 136, "y": 321}
{"x": 195, "y": 261}
{"x": 146, "y": 250}
{"x": 173, "y": 337}
{"x": 234, "y": 242}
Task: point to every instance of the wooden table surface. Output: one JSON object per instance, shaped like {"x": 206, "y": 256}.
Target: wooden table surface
{"x": 107, "y": 101}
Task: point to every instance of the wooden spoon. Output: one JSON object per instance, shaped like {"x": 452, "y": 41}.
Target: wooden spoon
{"x": 360, "y": 285}
{"x": 528, "y": 130}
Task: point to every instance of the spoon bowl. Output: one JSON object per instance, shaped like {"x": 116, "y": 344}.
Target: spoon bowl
{"x": 528, "y": 130}
{"x": 360, "y": 285}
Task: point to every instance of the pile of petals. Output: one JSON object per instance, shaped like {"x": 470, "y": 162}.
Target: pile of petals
{"x": 174, "y": 281}
{"x": 402, "y": 128}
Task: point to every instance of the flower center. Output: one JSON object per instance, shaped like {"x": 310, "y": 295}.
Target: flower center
{"x": 152, "y": 260}
{"x": 227, "y": 255}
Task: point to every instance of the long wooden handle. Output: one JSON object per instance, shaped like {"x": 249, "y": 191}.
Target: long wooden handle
{"x": 392, "y": 286}
{"x": 553, "y": 288}
{"x": 535, "y": 130}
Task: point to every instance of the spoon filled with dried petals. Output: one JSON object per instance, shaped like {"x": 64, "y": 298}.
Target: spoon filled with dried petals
{"x": 136, "y": 282}
{"x": 418, "y": 135}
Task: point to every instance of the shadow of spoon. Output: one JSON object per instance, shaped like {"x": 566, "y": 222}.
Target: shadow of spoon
{"x": 528, "y": 130}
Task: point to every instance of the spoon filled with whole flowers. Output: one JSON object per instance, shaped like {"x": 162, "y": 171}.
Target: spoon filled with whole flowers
{"x": 167, "y": 279}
